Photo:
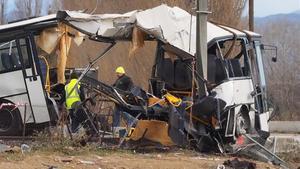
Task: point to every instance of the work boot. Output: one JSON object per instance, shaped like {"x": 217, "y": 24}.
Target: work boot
{"x": 75, "y": 127}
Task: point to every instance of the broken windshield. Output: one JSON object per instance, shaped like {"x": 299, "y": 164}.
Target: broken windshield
{"x": 227, "y": 59}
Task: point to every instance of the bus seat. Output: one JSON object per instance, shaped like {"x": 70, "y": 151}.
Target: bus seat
{"x": 182, "y": 76}
{"x": 156, "y": 86}
{"x": 220, "y": 71}
{"x": 10, "y": 62}
{"x": 211, "y": 68}
{"x": 6, "y": 61}
{"x": 236, "y": 68}
{"x": 165, "y": 71}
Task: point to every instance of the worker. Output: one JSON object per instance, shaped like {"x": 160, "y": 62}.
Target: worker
{"x": 123, "y": 83}
{"x": 73, "y": 96}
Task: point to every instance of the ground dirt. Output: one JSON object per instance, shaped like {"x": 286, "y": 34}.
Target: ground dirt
{"x": 114, "y": 159}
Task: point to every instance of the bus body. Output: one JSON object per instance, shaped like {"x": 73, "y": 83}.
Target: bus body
{"x": 22, "y": 97}
{"x": 236, "y": 87}
{"x": 235, "y": 103}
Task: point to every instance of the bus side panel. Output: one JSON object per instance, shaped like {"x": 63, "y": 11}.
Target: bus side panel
{"x": 235, "y": 92}
{"x": 38, "y": 102}
{"x": 20, "y": 102}
{"x": 13, "y": 89}
{"x": 12, "y": 83}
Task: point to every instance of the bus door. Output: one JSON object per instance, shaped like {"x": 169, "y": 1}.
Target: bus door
{"x": 33, "y": 82}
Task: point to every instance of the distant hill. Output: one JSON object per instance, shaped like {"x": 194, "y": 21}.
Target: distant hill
{"x": 290, "y": 17}
{"x": 298, "y": 12}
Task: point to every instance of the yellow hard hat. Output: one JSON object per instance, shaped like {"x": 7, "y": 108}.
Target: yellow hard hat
{"x": 120, "y": 70}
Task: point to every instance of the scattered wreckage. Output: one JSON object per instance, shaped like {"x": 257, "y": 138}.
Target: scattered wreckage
{"x": 233, "y": 112}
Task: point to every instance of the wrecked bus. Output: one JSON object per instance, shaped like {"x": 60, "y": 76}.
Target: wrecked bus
{"x": 29, "y": 89}
{"x": 235, "y": 103}
{"x": 22, "y": 89}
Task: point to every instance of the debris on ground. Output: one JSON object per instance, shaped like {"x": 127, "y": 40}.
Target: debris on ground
{"x": 237, "y": 164}
{"x": 25, "y": 148}
{"x": 86, "y": 162}
{"x": 64, "y": 160}
{"x": 4, "y": 148}
{"x": 50, "y": 166}
{"x": 117, "y": 159}
{"x": 10, "y": 149}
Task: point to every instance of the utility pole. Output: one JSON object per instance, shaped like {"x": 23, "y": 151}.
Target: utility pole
{"x": 251, "y": 15}
{"x": 201, "y": 44}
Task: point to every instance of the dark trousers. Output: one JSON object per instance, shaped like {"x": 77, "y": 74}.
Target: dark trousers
{"x": 77, "y": 117}
{"x": 117, "y": 117}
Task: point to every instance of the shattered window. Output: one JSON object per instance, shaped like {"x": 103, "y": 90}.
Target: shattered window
{"x": 10, "y": 58}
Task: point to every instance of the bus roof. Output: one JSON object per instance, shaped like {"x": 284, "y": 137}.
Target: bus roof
{"x": 171, "y": 25}
{"x": 21, "y": 24}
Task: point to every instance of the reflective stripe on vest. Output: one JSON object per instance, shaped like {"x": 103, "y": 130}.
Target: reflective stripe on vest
{"x": 72, "y": 96}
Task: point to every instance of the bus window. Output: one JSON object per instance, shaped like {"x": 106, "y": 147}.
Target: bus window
{"x": 10, "y": 58}
{"x": 25, "y": 53}
{"x": 236, "y": 62}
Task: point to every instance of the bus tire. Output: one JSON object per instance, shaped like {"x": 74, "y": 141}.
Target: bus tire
{"x": 10, "y": 120}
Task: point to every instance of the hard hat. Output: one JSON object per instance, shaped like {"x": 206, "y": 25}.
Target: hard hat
{"x": 120, "y": 70}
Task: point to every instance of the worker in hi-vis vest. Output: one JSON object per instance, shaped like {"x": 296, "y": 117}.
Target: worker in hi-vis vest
{"x": 73, "y": 96}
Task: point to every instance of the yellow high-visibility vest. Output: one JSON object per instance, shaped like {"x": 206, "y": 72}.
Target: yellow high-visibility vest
{"x": 72, "y": 97}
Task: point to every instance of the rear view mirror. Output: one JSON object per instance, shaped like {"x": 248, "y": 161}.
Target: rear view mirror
{"x": 272, "y": 48}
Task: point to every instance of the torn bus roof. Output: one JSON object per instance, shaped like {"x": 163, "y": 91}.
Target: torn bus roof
{"x": 171, "y": 25}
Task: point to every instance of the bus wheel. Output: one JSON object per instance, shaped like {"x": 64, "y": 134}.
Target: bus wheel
{"x": 10, "y": 119}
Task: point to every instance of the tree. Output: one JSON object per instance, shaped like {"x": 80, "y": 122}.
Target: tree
{"x": 28, "y": 8}
{"x": 54, "y": 6}
{"x": 283, "y": 77}
{"x": 33, "y": 8}
{"x": 2, "y": 11}
{"x": 228, "y": 12}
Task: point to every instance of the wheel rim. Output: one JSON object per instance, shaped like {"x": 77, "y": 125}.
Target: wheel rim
{"x": 6, "y": 119}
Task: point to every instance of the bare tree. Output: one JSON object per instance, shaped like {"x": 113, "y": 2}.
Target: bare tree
{"x": 55, "y": 5}
{"x": 37, "y": 7}
{"x": 283, "y": 77}
{"x": 24, "y": 8}
{"x": 223, "y": 11}
{"x": 2, "y": 11}
{"x": 227, "y": 12}
{"x": 33, "y": 8}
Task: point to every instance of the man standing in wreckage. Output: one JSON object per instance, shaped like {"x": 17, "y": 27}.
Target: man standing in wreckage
{"x": 73, "y": 98}
{"x": 123, "y": 83}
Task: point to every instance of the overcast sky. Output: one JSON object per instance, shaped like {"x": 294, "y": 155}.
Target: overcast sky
{"x": 269, "y": 7}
